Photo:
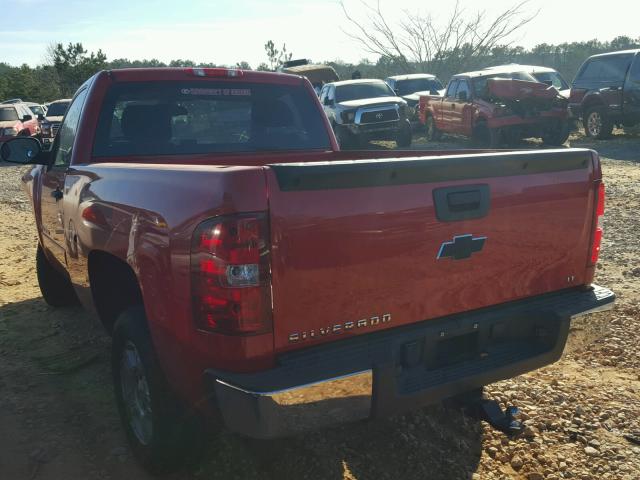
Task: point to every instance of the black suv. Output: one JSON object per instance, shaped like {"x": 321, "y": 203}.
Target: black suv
{"x": 362, "y": 110}
{"x": 606, "y": 92}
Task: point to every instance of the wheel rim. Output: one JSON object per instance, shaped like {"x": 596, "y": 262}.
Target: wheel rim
{"x": 594, "y": 123}
{"x": 135, "y": 394}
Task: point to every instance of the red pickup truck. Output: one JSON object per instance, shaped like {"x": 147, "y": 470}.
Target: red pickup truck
{"x": 250, "y": 271}
{"x": 497, "y": 106}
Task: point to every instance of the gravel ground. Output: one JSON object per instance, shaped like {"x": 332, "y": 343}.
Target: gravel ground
{"x": 58, "y": 418}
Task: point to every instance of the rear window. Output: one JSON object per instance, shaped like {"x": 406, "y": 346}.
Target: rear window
{"x": 606, "y": 69}
{"x": 8, "y": 114}
{"x": 165, "y": 118}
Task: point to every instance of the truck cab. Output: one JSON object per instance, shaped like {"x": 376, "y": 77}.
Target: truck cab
{"x": 606, "y": 92}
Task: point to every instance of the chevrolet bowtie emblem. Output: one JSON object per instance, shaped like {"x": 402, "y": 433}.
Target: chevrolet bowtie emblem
{"x": 462, "y": 246}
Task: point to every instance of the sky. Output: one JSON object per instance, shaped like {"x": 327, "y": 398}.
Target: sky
{"x": 225, "y": 31}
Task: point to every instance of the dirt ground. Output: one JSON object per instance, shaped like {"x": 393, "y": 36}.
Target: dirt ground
{"x": 58, "y": 419}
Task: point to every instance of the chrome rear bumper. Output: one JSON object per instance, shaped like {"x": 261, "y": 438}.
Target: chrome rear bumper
{"x": 401, "y": 369}
{"x": 284, "y": 412}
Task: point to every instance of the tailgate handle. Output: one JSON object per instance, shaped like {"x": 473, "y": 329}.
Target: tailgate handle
{"x": 465, "y": 202}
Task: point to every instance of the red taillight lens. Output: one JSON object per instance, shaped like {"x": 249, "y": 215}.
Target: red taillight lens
{"x": 597, "y": 233}
{"x": 230, "y": 274}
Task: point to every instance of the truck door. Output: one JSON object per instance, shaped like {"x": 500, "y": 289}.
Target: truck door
{"x": 53, "y": 221}
{"x": 631, "y": 106}
{"x": 459, "y": 105}
{"x": 607, "y": 74}
{"x": 446, "y": 106}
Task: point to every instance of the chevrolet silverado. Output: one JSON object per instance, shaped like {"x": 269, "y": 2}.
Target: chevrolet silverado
{"x": 251, "y": 272}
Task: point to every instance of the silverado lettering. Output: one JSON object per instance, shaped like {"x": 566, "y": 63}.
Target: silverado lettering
{"x": 339, "y": 327}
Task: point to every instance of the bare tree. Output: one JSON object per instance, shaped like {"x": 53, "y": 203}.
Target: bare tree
{"x": 418, "y": 41}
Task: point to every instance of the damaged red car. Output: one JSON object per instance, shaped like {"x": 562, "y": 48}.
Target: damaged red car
{"x": 495, "y": 108}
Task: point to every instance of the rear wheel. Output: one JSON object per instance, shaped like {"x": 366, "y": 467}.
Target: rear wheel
{"x": 55, "y": 287}
{"x": 432, "y": 132}
{"x": 162, "y": 436}
{"x": 597, "y": 124}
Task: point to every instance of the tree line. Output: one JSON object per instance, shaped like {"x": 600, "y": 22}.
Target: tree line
{"x": 68, "y": 66}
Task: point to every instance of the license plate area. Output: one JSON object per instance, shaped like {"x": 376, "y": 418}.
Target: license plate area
{"x": 454, "y": 350}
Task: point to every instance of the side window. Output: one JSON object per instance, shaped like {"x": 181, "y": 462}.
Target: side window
{"x": 463, "y": 86}
{"x": 451, "y": 89}
{"x": 635, "y": 69}
{"x": 607, "y": 69}
{"x": 68, "y": 129}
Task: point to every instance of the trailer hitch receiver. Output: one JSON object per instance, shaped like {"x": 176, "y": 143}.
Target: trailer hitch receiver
{"x": 503, "y": 421}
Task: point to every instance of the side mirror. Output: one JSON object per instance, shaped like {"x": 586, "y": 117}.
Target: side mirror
{"x": 397, "y": 92}
{"x": 26, "y": 118}
{"x": 24, "y": 151}
{"x": 328, "y": 102}
{"x": 548, "y": 83}
{"x": 40, "y": 117}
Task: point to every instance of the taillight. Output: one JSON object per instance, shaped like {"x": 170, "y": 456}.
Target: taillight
{"x": 597, "y": 233}
{"x": 230, "y": 274}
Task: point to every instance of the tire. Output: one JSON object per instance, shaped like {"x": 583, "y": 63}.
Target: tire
{"x": 55, "y": 287}
{"x": 558, "y": 135}
{"x": 432, "y": 132}
{"x": 162, "y": 436}
{"x": 597, "y": 124}
{"x": 485, "y": 137}
{"x": 404, "y": 136}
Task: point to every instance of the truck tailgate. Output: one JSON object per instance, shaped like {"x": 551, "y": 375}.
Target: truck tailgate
{"x": 360, "y": 246}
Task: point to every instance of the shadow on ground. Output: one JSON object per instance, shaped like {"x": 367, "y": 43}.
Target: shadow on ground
{"x": 56, "y": 381}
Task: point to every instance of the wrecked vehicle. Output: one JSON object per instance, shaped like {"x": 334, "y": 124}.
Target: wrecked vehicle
{"x": 546, "y": 75}
{"x": 497, "y": 107}
{"x": 317, "y": 74}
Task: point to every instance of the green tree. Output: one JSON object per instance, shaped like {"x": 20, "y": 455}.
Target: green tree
{"x": 74, "y": 65}
{"x": 276, "y": 57}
